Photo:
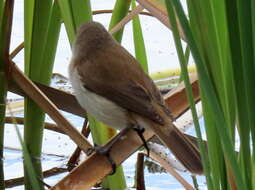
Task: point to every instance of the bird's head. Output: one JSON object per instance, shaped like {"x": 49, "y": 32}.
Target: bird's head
{"x": 91, "y": 36}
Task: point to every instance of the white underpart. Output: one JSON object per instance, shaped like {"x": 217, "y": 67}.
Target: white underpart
{"x": 97, "y": 106}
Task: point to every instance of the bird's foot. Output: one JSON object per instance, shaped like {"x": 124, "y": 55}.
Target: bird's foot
{"x": 105, "y": 151}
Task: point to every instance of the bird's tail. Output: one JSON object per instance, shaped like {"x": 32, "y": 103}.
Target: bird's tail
{"x": 183, "y": 149}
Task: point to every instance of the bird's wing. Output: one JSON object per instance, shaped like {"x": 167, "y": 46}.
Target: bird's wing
{"x": 110, "y": 75}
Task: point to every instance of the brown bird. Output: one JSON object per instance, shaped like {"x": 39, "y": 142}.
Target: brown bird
{"x": 110, "y": 84}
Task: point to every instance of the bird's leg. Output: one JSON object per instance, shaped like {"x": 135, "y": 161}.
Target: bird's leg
{"x": 105, "y": 150}
{"x": 140, "y": 132}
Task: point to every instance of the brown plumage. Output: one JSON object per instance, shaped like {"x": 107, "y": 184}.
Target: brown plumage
{"x": 110, "y": 84}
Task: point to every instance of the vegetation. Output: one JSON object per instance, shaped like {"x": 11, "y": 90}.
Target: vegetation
{"x": 219, "y": 35}
{"x": 221, "y": 45}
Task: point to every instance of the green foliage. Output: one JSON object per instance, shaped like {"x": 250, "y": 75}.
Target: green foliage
{"x": 140, "y": 51}
{"x": 185, "y": 75}
{"x": 32, "y": 176}
{"x": 220, "y": 36}
{"x": 120, "y": 11}
{"x": 73, "y": 14}
{"x": 42, "y": 26}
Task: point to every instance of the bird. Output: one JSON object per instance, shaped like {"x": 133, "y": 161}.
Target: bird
{"x": 111, "y": 86}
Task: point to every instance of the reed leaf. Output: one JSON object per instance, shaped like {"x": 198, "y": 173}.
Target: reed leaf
{"x": 73, "y": 14}
{"x": 187, "y": 56}
{"x": 140, "y": 51}
{"x": 52, "y": 41}
{"x": 119, "y": 12}
{"x": 28, "y": 164}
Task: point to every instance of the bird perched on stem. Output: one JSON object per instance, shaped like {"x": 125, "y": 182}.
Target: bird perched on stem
{"x": 110, "y": 84}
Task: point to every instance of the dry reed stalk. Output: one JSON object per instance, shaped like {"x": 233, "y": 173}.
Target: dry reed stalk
{"x": 9, "y": 183}
{"x": 170, "y": 170}
{"x": 74, "y": 158}
{"x": 178, "y": 96}
{"x": 140, "y": 184}
{"x": 20, "y": 121}
{"x": 126, "y": 19}
{"x": 63, "y": 100}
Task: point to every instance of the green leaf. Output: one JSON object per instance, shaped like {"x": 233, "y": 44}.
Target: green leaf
{"x": 28, "y": 163}
{"x": 74, "y": 13}
{"x": 140, "y": 51}
{"x": 119, "y": 12}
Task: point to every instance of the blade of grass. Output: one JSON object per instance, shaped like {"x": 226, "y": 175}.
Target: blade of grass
{"x": 119, "y": 12}
{"x": 187, "y": 55}
{"x": 253, "y": 143}
{"x": 51, "y": 45}
{"x": 81, "y": 11}
{"x": 32, "y": 176}
{"x": 140, "y": 51}
{"x": 246, "y": 126}
{"x": 67, "y": 16}
{"x": 74, "y": 13}
{"x": 28, "y": 163}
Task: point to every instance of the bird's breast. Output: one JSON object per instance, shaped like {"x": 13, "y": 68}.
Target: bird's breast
{"x": 97, "y": 106}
